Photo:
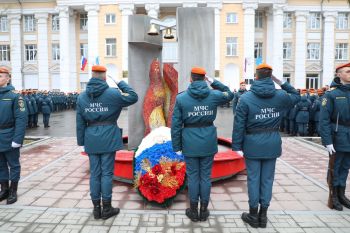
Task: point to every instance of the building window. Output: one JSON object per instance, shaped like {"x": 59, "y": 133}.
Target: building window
{"x": 55, "y": 23}
{"x": 315, "y": 20}
{"x": 259, "y": 16}
{"x": 343, "y": 21}
{"x": 110, "y": 18}
{"x": 287, "y": 50}
{"x": 286, "y": 76}
{"x": 312, "y": 81}
{"x": 84, "y": 50}
{"x": 231, "y": 46}
{"x": 249, "y": 81}
{"x": 231, "y": 18}
{"x": 55, "y": 52}
{"x": 111, "y": 47}
{"x": 313, "y": 51}
{"x": 4, "y": 52}
{"x": 287, "y": 20}
{"x": 3, "y": 24}
{"x": 341, "y": 51}
{"x": 83, "y": 21}
{"x": 31, "y": 51}
{"x": 258, "y": 50}
{"x": 29, "y": 23}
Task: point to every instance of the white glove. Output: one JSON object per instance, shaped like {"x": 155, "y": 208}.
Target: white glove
{"x": 82, "y": 148}
{"x": 209, "y": 80}
{"x": 179, "y": 152}
{"x": 15, "y": 145}
{"x": 330, "y": 149}
{"x": 239, "y": 152}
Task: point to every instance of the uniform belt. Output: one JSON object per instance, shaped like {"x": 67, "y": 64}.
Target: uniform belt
{"x": 262, "y": 130}
{"x": 7, "y": 126}
{"x": 343, "y": 123}
{"x": 99, "y": 123}
{"x": 198, "y": 125}
{"x": 304, "y": 109}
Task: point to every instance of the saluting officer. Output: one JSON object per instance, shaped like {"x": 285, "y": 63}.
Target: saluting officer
{"x": 193, "y": 133}
{"x": 335, "y": 134}
{"x": 98, "y": 109}
{"x": 256, "y": 136}
{"x": 13, "y": 120}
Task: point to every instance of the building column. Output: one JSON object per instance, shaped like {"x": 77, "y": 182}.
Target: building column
{"x": 92, "y": 35}
{"x": 328, "y": 48}
{"x": 300, "y": 49}
{"x": 249, "y": 34}
{"x": 152, "y": 10}
{"x": 16, "y": 50}
{"x": 269, "y": 37}
{"x": 278, "y": 40}
{"x": 43, "y": 58}
{"x": 73, "y": 53}
{"x": 127, "y": 9}
{"x": 217, "y": 7}
{"x": 64, "y": 49}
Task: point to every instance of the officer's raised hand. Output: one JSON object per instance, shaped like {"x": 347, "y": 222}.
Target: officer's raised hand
{"x": 276, "y": 80}
{"x": 115, "y": 79}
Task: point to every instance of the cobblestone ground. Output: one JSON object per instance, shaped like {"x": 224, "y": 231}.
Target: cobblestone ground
{"x": 54, "y": 196}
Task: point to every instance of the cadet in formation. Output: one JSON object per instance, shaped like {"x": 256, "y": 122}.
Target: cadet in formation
{"x": 13, "y": 120}
{"x": 241, "y": 91}
{"x": 46, "y": 106}
{"x": 256, "y": 136}
{"x": 98, "y": 109}
{"x": 302, "y": 113}
{"x": 194, "y": 135}
{"x": 335, "y": 134}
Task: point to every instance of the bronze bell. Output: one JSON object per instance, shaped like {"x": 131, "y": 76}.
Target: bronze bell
{"x": 168, "y": 34}
{"x": 153, "y": 31}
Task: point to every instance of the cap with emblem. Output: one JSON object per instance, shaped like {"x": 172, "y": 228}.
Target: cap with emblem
{"x": 264, "y": 66}
{"x": 198, "y": 70}
{"x": 4, "y": 70}
{"x": 98, "y": 68}
{"x": 342, "y": 66}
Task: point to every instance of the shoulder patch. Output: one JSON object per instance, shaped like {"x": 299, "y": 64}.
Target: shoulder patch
{"x": 125, "y": 94}
{"x": 225, "y": 94}
{"x": 324, "y": 101}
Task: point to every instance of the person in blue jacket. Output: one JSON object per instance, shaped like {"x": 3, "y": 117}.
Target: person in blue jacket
{"x": 312, "y": 125}
{"x": 317, "y": 110}
{"x": 46, "y": 106}
{"x": 194, "y": 135}
{"x": 335, "y": 132}
{"x": 291, "y": 117}
{"x": 303, "y": 113}
{"x": 240, "y": 92}
{"x": 13, "y": 120}
{"x": 98, "y": 109}
{"x": 30, "y": 109}
{"x": 256, "y": 137}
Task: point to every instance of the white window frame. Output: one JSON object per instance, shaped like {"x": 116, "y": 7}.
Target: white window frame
{"x": 342, "y": 21}
{"x": 287, "y": 20}
{"x": 312, "y": 81}
{"x": 341, "y": 51}
{"x": 5, "y": 53}
{"x": 231, "y": 18}
{"x": 84, "y": 49}
{"x": 55, "y": 23}
{"x": 287, "y": 50}
{"x": 231, "y": 46}
{"x": 29, "y": 23}
{"x": 314, "y": 22}
{"x": 258, "y": 49}
{"x": 313, "y": 51}
{"x": 111, "y": 47}
{"x": 55, "y": 52}
{"x": 286, "y": 76}
{"x": 3, "y": 23}
{"x": 83, "y": 21}
{"x": 259, "y": 19}
{"x": 110, "y": 18}
{"x": 31, "y": 52}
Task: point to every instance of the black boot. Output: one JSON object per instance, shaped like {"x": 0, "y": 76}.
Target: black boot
{"x": 262, "y": 217}
{"x": 192, "y": 212}
{"x": 342, "y": 198}
{"x": 12, "y": 198}
{"x": 203, "y": 211}
{"x": 97, "y": 209}
{"x": 4, "y": 193}
{"x": 251, "y": 218}
{"x": 335, "y": 200}
{"x": 108, "y": 211}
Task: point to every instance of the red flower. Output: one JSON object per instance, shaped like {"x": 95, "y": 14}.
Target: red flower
{"x": 157, "y": 170}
